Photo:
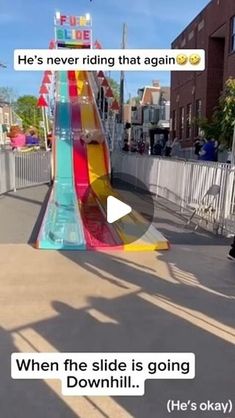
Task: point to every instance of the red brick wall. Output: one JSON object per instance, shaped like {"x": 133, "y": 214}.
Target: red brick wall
{"x": 220, "y": 63}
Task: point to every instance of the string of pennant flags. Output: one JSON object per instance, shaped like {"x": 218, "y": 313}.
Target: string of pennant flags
{"x": 102, "y": 80}
{"x": 46, "y": 82}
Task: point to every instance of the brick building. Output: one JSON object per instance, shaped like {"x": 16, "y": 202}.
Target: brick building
{"x": 150, "y": 115}
{"x": 195, "y": 94}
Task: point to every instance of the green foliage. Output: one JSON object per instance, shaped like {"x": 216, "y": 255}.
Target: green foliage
{"x": 210, "y": 129}
{"x": 221, "y": 125}
{"x": 115, "y": 87}
{"x": 26, "y": 108}
{"x": 226, "y": 112}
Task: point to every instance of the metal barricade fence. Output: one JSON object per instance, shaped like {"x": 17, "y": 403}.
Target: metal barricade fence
{"x": 184, "y": 182}
{"x": 7, "y": 171}
{"x": 32, "y": 168}
{"x": 23, "y": 169}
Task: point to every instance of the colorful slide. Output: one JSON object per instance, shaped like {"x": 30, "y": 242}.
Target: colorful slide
{"x": 76, "y": 213}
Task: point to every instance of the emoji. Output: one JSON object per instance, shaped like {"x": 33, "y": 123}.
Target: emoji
{"x": 181, "y": 59}
{"x": 194, "y": 59}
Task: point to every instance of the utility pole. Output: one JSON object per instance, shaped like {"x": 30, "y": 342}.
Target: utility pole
{"x": 122, "y": 75}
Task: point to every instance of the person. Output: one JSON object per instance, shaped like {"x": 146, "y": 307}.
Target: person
{"x": 216, "y": 148}
{"x": 92, "y": 136}
{"x": 17, "y": 137}
{"x": 133, "y": 145}
{"x": 231, "y": 254}
{"x": 229, "y": 156}
{"x": 157, "y": 148}
{"x": 207, "y": 152}
{"x": 168, "y": 148}
{"x": 126, "y": 145}
{"x": 175, "y": 148}
{"x": 197, "y": 147}
{"x": 32, "y": 137}
{"x": 49, "y": 140}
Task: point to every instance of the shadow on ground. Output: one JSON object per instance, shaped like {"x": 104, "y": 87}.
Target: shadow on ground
{"x": 155, "y": 314}
{"x": 182, "y": 300}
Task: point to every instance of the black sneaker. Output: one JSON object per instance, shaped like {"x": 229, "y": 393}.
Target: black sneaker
{"x": 231, "y": 256}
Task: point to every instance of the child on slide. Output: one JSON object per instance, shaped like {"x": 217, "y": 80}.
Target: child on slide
{"x": 92, "y": 136}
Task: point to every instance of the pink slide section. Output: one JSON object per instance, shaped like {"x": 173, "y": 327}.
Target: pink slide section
{"x": 98, "y": 234}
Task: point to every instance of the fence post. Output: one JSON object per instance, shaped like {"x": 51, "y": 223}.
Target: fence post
{"x": 183, "y": 195}
{"x": 227, "y": 198}
{"x": 14, "y": 170}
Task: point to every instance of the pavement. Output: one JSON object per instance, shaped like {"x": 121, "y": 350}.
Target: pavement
{"x": 181, "y": 300}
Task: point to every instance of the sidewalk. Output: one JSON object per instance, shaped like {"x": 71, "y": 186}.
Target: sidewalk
{"x": 181, "y": 300}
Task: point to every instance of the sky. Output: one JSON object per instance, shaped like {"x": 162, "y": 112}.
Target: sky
{"x": 151, "y": 24}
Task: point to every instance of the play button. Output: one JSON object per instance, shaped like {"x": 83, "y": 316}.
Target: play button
{"x": 118, "y": 213}
{"x": 116, "y": 209}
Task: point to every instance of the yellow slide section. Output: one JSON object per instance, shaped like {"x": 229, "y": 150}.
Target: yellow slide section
{"x": 129, "y": 227}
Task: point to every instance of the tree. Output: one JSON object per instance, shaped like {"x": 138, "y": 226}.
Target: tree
{"x": 226, "y": 111}
{"x": 115, "y": 86}
{"x": 7, "y": 94}
{"x": 221, "y": 125}
{"x": 26, "y": 108}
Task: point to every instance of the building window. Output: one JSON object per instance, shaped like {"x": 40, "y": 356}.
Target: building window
{"x": 201, "y": 25}
{"x": 174, "y": 124}
{"x": 181, "y": 122}
{"x": 189, "y": 121}
{"x": 198, "y": 109}
{"x": 191, "y": 35}
{"x": 198, "y": 115}
{"x": 232, "y": 45}
{"x": 6, "y": 118}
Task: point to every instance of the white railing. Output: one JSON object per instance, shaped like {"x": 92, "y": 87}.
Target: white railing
{"x": 7, "y": 171}
{"x": 19, "y": 170}
{"x": 184, "y": 183}
{"x": 32, "y": 168}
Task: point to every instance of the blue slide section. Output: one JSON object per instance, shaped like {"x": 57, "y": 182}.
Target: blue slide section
{"x": 62, "y": 224}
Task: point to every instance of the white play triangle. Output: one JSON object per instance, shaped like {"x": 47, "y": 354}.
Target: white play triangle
{"x": 116, "y": 209}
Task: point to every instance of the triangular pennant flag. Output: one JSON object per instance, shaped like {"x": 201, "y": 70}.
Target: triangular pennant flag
{"x": 52, "y": 45}
{"x": 46, "y": 79}
{"x": 97, "y": 45}
{"x": 114, "y": 106}
{"x": 42, "y": 102}
{"x": 43, "y": 89}
{"x": 100, "y": 74}
{"x": 109, "y": 92}
{"x": 104, "y": 83}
